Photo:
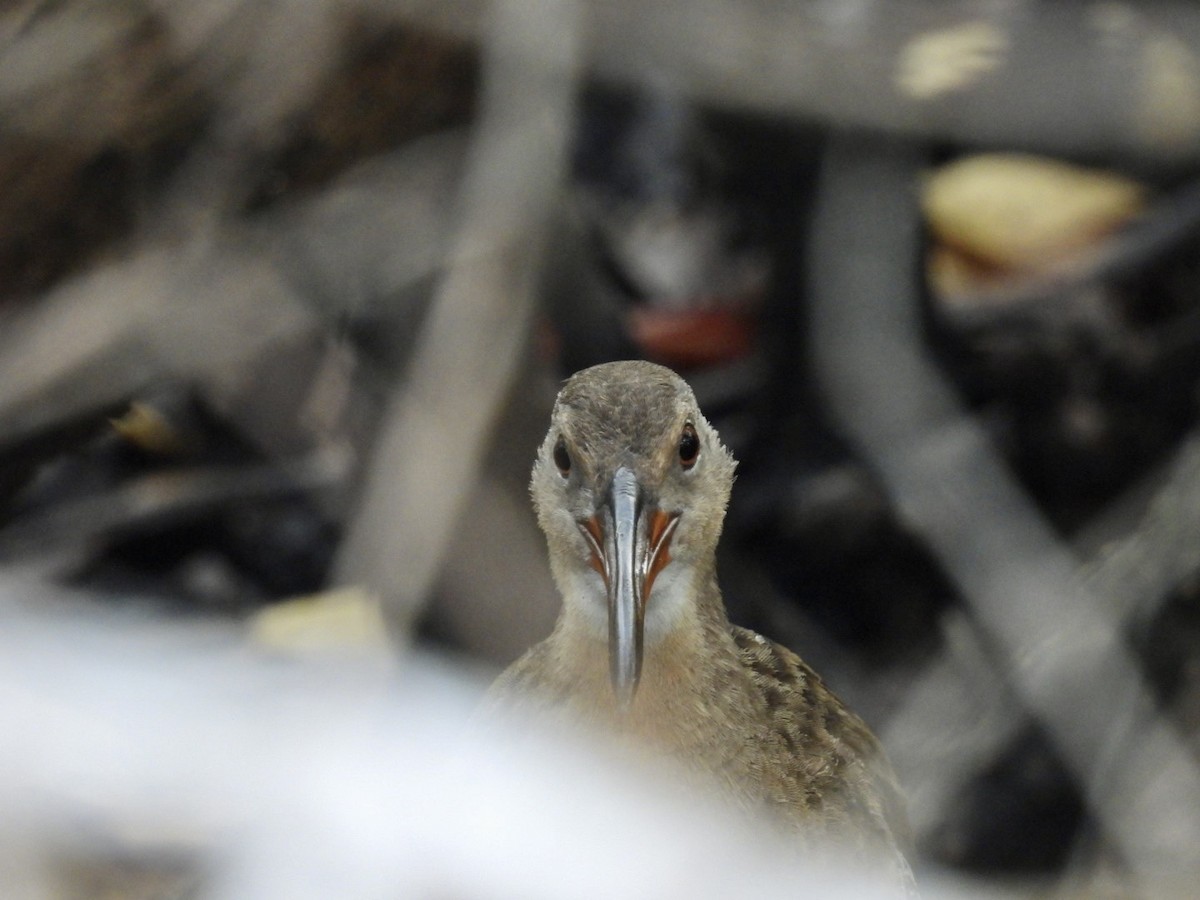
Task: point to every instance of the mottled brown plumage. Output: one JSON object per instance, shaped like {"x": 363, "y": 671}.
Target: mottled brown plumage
{"x": 630, "y": 487}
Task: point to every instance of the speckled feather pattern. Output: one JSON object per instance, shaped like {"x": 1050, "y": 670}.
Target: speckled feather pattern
{"x": 749, "y": 715}
{"x": 840, "y": 774}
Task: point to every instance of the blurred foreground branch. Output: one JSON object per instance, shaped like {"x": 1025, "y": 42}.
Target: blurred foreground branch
{"x": 338, "y": 779}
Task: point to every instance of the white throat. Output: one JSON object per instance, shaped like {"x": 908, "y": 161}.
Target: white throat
{"x": 670, "y": 598}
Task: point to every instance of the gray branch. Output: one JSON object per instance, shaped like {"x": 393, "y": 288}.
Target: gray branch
{"x": 1063, "y": 646}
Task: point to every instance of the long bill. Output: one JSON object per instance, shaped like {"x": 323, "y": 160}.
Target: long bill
{"x": 629, "y": 548}
{"x": 626, "y": 603}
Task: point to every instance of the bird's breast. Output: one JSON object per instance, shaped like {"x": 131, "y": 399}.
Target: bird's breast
{"x": 693, "y": 706}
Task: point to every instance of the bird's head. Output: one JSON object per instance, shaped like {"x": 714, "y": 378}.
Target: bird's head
{"x": 630, "y": 487}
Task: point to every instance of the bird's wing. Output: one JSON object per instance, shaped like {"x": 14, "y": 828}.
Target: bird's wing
{"x": 810, "y": 718}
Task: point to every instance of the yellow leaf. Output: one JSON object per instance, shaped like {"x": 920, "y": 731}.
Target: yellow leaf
{"x": 338, "y": 621}
{"x": 1025, "y": 212}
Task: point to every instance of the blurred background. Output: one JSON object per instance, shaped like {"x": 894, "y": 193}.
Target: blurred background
{"x": 287, "y": 289}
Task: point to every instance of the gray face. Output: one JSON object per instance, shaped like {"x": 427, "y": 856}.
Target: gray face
{"x": 630, "y": 483}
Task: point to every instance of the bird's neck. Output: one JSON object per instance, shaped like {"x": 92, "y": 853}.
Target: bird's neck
{"x": 685, "y": 604}
{"x": 689, "y": 659}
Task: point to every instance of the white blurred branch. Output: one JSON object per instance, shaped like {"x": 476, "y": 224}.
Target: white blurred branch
{"x": 317, "y": 779}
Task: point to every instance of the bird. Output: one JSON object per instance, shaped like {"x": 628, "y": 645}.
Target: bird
{"x": 630, "y": 487}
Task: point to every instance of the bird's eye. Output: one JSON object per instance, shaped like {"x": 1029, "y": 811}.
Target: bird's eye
{"x": 562, "y": 458}
{"x": 689, "y": 446}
